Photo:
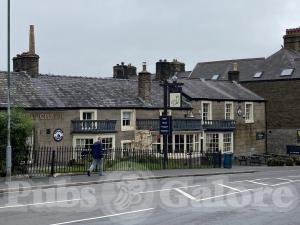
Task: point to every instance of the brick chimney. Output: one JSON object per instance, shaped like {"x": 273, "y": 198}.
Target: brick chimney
{"x": 292, "y": 39}
{"x": 28, "y": 61}
{"x": 234, "y": 74}
{"x": 144, "y": 85}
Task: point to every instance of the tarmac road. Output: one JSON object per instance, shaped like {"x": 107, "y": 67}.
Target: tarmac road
{"x": 263, "y": 198}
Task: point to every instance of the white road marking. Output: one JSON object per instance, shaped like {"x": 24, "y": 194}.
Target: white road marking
{"x": 275, "y": 185}
{"x": 168, "y": 189}
{"x": 185, "y": 194}
{"x": 284, "y": 179}
{"x": 102, "y": 217}
{"x": 232, "y": 188}
{"x": 254, "y": 182}
{"x": 40, "y": 203}
{"x": 294, "y": 176}
{"x": 220, "y": 196}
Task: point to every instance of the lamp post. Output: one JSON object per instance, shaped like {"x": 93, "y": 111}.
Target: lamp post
{"x": 8, "y": 147}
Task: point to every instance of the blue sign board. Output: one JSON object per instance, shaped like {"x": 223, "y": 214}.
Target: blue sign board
{"x": 165, "y": 125}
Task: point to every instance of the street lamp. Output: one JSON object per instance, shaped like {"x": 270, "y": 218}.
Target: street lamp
{"x": 8, "y": 147}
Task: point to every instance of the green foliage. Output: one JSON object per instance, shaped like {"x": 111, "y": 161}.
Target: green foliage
{"x": 296, "y": 160}
{"x": 21, "y": 128}
{"x": 289, "y": 162}
{"x": 275, "y": 162}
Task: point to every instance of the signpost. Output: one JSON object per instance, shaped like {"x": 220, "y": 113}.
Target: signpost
{"x": 165, "y": 125}
{"x": 172, "y": 99}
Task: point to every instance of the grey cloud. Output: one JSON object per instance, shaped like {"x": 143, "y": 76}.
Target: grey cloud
{"x": 88, "y": 37}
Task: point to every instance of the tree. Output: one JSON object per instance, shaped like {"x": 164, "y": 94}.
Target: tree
{"x": 21, "y": 129}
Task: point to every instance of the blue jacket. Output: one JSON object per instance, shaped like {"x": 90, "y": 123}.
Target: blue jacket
{"x": 97, "y": 150}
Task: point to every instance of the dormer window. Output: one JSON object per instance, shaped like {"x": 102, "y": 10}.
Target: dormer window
{"x": 287, "y": 72}
{"x": 258, "y": 75}
{"x": 215, "y": 77}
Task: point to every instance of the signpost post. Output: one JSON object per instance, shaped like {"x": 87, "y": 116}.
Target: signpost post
{"x": 172, "y": 99}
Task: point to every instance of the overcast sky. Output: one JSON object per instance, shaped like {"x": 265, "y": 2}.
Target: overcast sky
{"x": 88, "y": 37}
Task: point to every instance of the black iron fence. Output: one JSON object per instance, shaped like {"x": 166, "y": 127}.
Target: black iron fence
{"x": 45, "y": 161}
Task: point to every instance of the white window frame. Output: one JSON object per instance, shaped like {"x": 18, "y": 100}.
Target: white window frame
{"x": 94, "y": 137}
{"x": 220, "y": 142}
{"x": 132, "y": 120}
{"x": 231, "y": 117}
{"x": 199, "y": 134}
{"x": 169, "y": 112}
{"x": 251, "y": 115}
{"x": 231, "y": 143}
{"x": 93, "y": 111}
{"x": 209, "y": 115}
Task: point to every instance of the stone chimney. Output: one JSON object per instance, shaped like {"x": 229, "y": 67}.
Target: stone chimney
{"x": 28, "y": 61}
{"x": 234, "y": 74}
{"x": 292, "y": 39}
{"x": 165, "y": 69}
{"x": 144, "y": 85}
{"x": 122, "y": 71}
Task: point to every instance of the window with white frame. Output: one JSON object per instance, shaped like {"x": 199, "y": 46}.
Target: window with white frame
{"x": 229, "y": 111}
{"x": 156, "y": 143}
{"x": 249, "y": 112}
{"x": 127, "y": 119}
{"x": 227, "y": 142}
{"x": 107, "y": 143}
{"x": 212, "y": 142}
{"x": 190, "y": 142}
{"x": 88, "y": 114}
{"x": 84, "y": 143}
{"x": 206, "y": 111}
{"x": 197, "y": 142}
{"x": 179, "y": 143}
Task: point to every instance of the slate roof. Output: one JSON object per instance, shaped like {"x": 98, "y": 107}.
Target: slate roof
{"x": 49, "y": 91}
{"x": 271, "y": 67}
{"x": 207, "y": 70}
{"x": 217, "y": 90}
{"x": 185, "y": 74}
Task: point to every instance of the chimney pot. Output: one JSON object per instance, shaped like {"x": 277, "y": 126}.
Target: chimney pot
{"x": 144, "y": 67}
{"x": 31, "y": 40}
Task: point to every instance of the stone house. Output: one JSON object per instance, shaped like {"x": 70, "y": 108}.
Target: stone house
{"x": 74, "y": 111}
{"x": 275, "y": 78}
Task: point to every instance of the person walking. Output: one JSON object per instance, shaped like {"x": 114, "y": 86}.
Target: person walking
{"x": 97, "y": 154}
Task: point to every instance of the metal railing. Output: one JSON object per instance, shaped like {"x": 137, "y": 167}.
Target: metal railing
{"x": 188, "y": 124}
{"x": 46, "y": 161}
{"x": 218, "y": 125}
{"x": 178, "y": 124}
{"x": 90, "y": 126}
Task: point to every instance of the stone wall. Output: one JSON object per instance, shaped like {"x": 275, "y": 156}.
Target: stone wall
{"x": 282, "y": 110}
{"x": 245, "y": 133}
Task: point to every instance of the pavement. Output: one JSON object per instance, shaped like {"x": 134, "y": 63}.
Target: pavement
{"x": 236, "y": 196}
{"x": 67, "y": 180}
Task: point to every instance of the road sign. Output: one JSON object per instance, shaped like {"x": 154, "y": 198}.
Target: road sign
{"x": 165, "y": 125}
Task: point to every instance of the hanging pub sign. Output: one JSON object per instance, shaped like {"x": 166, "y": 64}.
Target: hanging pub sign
{"x": 175, "y": 96}
{"x": 175, "y": 100}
